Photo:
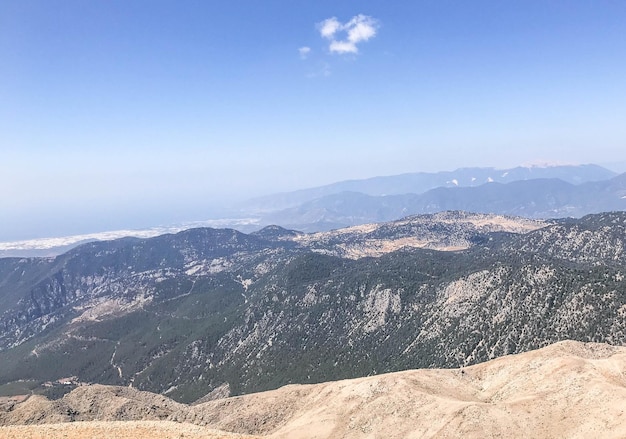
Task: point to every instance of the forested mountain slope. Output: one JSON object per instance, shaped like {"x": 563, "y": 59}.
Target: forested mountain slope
{"x": 185, "y": 314}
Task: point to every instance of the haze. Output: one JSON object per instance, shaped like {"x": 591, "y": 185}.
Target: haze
{"x": 126, "y": 114}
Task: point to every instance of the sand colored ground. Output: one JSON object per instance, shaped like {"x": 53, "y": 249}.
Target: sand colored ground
{"x": 565, "y": 390}
{"x": 570, "y": 389}
{"x": 115, "y": 430}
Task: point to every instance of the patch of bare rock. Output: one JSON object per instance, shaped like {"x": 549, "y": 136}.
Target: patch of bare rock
{"x": 569, "y": 389}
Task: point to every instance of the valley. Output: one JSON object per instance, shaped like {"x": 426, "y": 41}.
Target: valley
{"x": 187, "y": 313}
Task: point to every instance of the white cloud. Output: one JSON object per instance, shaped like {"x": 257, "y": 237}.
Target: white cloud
{"x": 304, "y": 52}
{"x": 343, "y": 47}
{"x": 329, "y": 27}
{"x": 359, "y": 29}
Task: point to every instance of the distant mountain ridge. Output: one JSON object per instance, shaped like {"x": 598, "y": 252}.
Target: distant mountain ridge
{"x": 536, "y": 198}
{"x": 420, "y": 182}
{"x": 390, "y": 198}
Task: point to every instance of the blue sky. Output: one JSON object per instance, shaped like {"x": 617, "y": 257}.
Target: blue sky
{"x": 130, "y": 113}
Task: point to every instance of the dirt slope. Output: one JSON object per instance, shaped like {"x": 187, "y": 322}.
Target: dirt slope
{"x": 569, "y": 389}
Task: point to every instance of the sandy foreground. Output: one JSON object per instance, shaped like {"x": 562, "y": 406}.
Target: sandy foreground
{"x": 566, "y": 390}
{"x": 115, "y": 430}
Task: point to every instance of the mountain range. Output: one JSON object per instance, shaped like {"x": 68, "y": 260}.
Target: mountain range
{"x": 534, "y": 198}
{"x": 216, "y": 310}
{"x": 530, "y": 191}
{"x": 420, "y": 182}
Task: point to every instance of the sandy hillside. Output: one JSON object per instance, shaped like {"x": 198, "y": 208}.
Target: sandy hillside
{"x": 569, "y": 389}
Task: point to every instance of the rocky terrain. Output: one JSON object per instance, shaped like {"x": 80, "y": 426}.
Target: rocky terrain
{"x": 443, "y": 231}
{"x": 569, "y": 389}
{"x": 215, "y": 310}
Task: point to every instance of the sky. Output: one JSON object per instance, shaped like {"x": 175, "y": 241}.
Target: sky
{"x": 129, "y": 113}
